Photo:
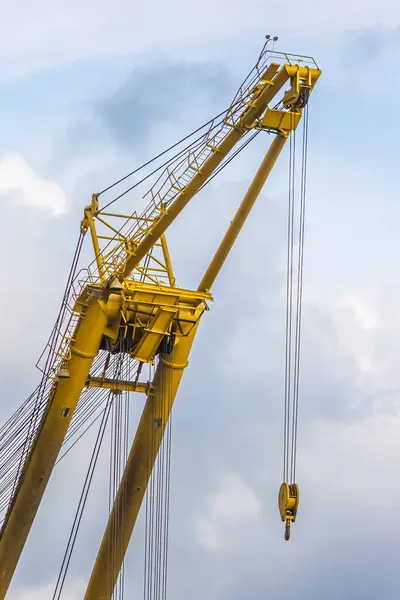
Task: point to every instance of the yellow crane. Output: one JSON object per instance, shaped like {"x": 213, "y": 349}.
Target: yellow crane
{"x": 127, "y": 304}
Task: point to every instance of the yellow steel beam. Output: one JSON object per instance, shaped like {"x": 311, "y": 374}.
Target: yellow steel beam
{"x": 242, "y": 213}
{"x": 89, "y": 212}
{"x": 167, "y": 259}
{"x": 50, "y": 436}
{"x": 247, "y": 121}
{"x": 283, "y": 122}
{"x": 118, "y": 385}
{"x": 138, "y": 468}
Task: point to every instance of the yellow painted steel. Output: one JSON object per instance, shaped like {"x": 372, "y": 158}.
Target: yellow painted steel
{"x": 118, "y": 385}
{"x": 262, "y": 96}
{"x": 301, "y": 78}
{"x": 288, "y": 502}
{"x": 280, "y": 120}
{"x": 138, "y": 467}
{"x": 50, "y": 436}
{"x": 88, "y": 223}
{"x": 153, "y": 313}
{"x": 158, "y": 328}
{"x": 242, "y": 213}
{"x": 168, "y": 263}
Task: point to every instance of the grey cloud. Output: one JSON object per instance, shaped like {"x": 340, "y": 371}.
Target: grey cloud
{"x": 154, "y": 94}
{"x": 371, "y": 41}
{"x": 150, "y": 109}
{"x": 153, "y": 107}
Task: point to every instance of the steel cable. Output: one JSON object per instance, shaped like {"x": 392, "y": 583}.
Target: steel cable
{"x": 246, "y": 85}
{"x": 294, "y": 295}
{"x": 299, "y": 297}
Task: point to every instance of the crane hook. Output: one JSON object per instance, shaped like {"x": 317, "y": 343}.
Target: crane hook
{"x": 288, "y": 502}
{"x": 287, "y": 530}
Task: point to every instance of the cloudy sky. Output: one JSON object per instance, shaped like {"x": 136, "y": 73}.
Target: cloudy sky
{"x": 87, "y": 91}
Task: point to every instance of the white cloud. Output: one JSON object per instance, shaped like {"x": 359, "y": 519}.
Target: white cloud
{"x": 233, "y": 504}
{"x": 19, "y": 182}
{"x": 356, "y": 336}
{"x": 126, "y": 27}
{"x": 234, "y": 500}
{"x": 73, "y": 591}
{"x": 362, "y": 455}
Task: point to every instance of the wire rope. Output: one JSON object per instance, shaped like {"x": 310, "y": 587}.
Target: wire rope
{"x": 246, "y": 85}
{"x": 81, "y": 505}
{"x": 294, "y": 296}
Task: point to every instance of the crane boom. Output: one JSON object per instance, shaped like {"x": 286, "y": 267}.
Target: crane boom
{"x": 270, "y": 84}
{"x": 151, "y": 318}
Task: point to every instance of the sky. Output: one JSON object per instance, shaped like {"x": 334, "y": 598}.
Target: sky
{"x": 89, "y": 90}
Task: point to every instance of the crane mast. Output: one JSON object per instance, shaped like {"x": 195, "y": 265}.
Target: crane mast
{"x": 129, "y": 302}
